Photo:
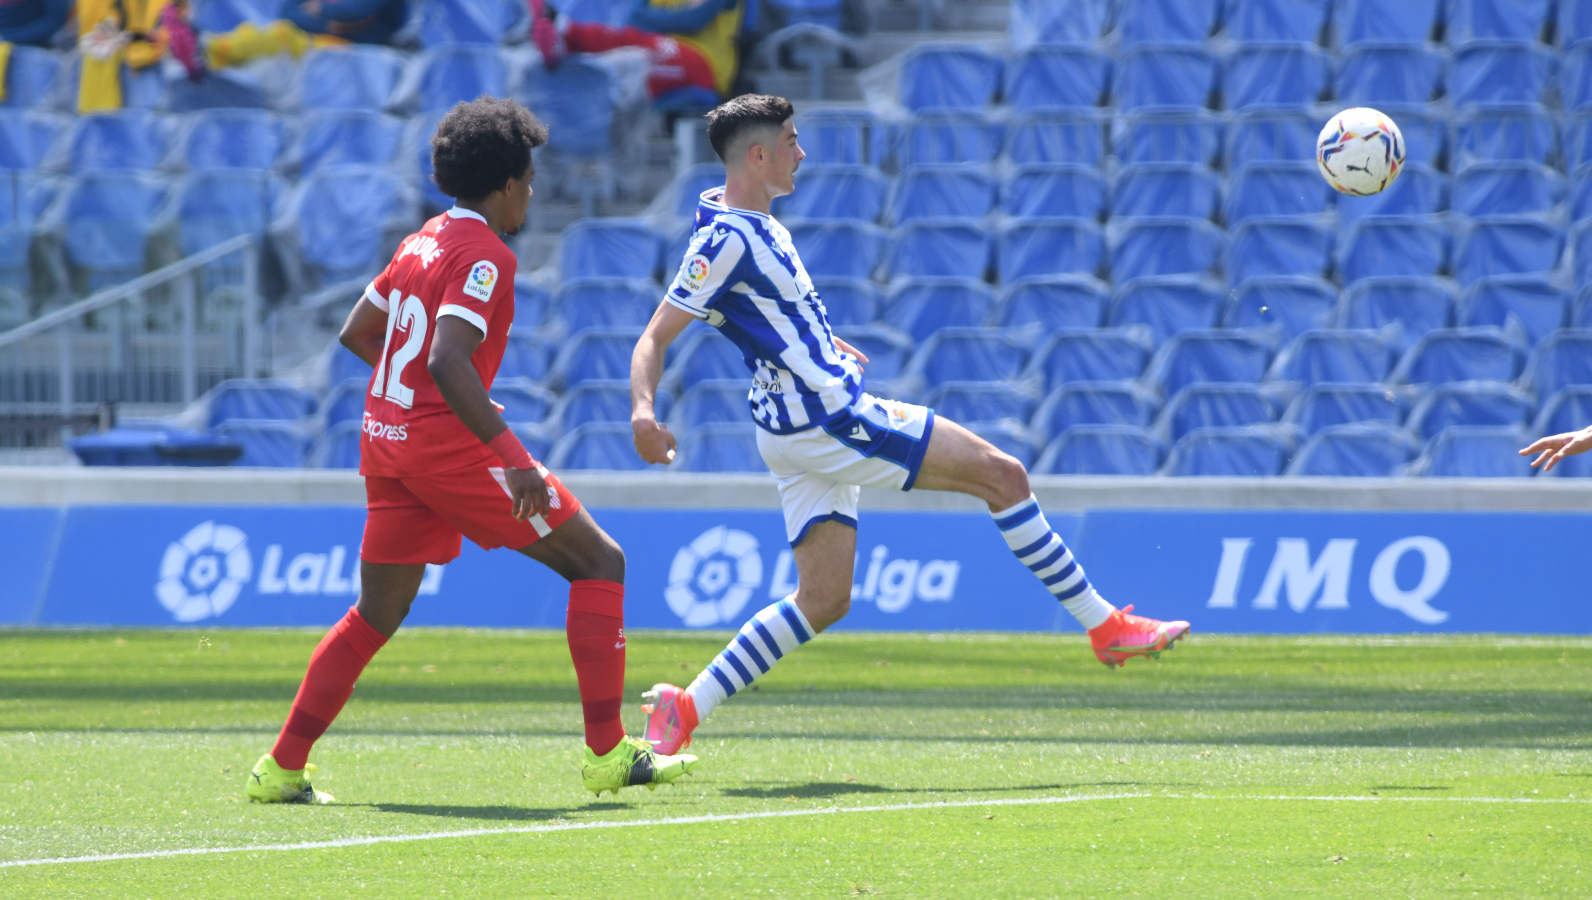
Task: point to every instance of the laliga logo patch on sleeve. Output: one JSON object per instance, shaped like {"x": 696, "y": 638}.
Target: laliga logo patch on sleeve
{"x": 483, "y": 276}
{"x": 694, "y": 273}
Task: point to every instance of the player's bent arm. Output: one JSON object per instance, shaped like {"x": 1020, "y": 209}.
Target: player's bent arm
{"x": 365, "y": 331}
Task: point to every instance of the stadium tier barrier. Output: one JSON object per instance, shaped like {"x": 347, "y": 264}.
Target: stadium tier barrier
{"x": 219, "y": 549}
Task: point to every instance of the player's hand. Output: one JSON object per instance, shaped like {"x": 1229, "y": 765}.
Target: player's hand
{"x": 1554, "y": 447}
{"x": 844, "y": 347}
{"x": 527, "y": 491}
{"x": 654, "y": 442}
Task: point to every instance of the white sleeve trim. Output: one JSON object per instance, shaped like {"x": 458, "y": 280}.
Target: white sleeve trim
{"x": 376, "y": 299}
{"x": 465, "y": 313}
{"x": 681, "y": 304}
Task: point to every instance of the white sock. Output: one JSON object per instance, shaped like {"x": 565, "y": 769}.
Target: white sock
{"x": 1037, "y": 546}
{"x": 768, "y": 635}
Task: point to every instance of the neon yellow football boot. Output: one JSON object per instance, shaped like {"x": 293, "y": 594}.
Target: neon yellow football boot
{"x": 632, "y": 762}
{"x": 270, "y": 783}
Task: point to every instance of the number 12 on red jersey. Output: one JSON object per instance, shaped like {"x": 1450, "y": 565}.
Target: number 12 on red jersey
{"x": 408, "y": 313}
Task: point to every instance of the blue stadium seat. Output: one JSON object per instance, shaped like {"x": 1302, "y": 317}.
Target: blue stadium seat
{"x": 606, "y": 446}
{"x": 827, "y": 13}
{"x": 225, "y": 15}
{"x": 839, "y": 249}
{"x": 460, "y": 72}
{"x": 1162, "y": 246}
{"x": 533, "y": 305}
{"x": 1166, "y": 21}
{"x": 1379, "y": 246}
{"x": 1214, "y": 405}
{"x": 1460, "y": 354}
{"x": 1416, "y": 305}
{"x": 1050, "y": 77}
{"x": 608, "y": 400}
{"x": 523, "y": 401}
{"x": 1036, "y": 308}
{"x": 1469, "y": 403}
{"x": 110, "y": 218}
{"x": 920, "y": 307}
{"x": 1166, "y": 189}
{"x": 1474, "y": 451}
{"x": 1344, "y": 356}
{"x": 1275, "y": 74}
{"x": 345, "y": 402}
{"x": 1102, "y": 450}
{"x": 1166, "y": 304}
{"x": 1255, "y": 136}
{"x": 481, "y": 22}
{"x": 1354, "y": 21}
{"x": 1575, "y": 24}
{"x": 1581, "y": 194}
{"x": 526, "y": 356}
{"x": 343, "y": 218}
{"x": 950, "y": 137}
{"x": 576, "y": 102}
{"x": 1419, "y": 190}
{"x": 1072, "y": 136}
{"x": 701, "y": 176}
{"x": 1045, "y": 22}
{"x": 1171, "y": 135}
{"x": 1374, "y": 73}
{"x": 940, "y": 248}
{"x": 1291, "y": 304}
{"x": 1536, "y": 304}
{"x": 1575, "y": 77}
{"x": 1328, "y": 405}
{"x": 1507, "y": 131}
{"x": 610, "y": 248}
{"x": 215, "y": 205}
{"x": 1581, "y": 252}
{"x": 1274, "y": 20}
{"x": 596, "y": 353}
{"x": 1522, "y": 20}
{"x": 849, "y": 301}
{"x": 1278, "y": 245}
{"x": 1239, "y": 451}
{"x": 714, "y": 400}
{"x": 1055, "y": 189}
{"x": 233, "y": 138}
{"x": 1277, "y": 189}
{"x": 1358, "y": 450}
{"x": 1577, "y": 141}
{"x": 33, "y": 77}
{"x": 246, "y": 398}
{"x": 124, "y": 139}
{"x": 832, "y": 137}
{"x": 273, "y": 445}
{"x": 1581, "y": 309}
{"x": 703, "y": 356}
{"x": 835, "y": 192}
{"x": 362, "y": 76}
{"x": 1046, "y": 247}
{"x": 1569, "y": 409}
{"x": 1169, "y": 75}
{"x": 1210, "y": 355}
{"x": 722, "y": 447}
{"x": 889, "y": 351}
{"x": 1563, "y": 359}
{"x": 950, "y": 76}
{"x": 1507, "y": 245}
{"x": 28, "y": 139}
{"x": 982, "y": 402}
{"x": 339, "y": 136}
{"x": 1093, "y": 403}
{"x": 337, "y": 447}
{"x": 342, "y": 365}
{"x": 22, "y": 200}
{"x": 1501, "y": 188}
{"x": 606, "y": 302}
{"x": 934, "y": 192}
{"x": 1103, "y": 354}
{"x": 1499, "y": 71}
{"x": 969, "y": 354}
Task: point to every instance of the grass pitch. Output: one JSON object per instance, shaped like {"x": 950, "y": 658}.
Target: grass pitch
{"x": 901, "y": 765}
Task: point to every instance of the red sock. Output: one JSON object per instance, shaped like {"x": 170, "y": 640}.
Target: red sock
{"x": 334, "y": 667}
{"x": 595, "y": 627}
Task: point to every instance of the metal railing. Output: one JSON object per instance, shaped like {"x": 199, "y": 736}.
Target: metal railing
{"x": 144, "y": 343}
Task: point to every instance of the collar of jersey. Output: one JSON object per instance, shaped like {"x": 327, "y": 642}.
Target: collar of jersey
{"x": 717, "y": 202}
{"x": 461, "y": 213}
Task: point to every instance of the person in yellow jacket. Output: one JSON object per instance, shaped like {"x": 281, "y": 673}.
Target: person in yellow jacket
{"x": 137, "y": 33}
{"x": 693, "y": 42}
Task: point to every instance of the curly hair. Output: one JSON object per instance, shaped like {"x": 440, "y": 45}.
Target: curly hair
{"x": 480, "y": 145}
{"x": 737, "y": 115}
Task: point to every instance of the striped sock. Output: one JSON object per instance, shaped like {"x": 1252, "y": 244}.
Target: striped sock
{"x": 1042, "y": 550}
{"x": 774, "y": 631}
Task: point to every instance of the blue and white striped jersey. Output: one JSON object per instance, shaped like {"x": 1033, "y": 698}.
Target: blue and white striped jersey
{"x": 741, "y": 275}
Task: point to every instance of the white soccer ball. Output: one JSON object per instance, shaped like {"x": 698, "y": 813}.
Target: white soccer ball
{"x": 1360, "y": 152}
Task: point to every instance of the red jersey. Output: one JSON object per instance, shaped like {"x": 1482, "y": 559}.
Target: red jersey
{"x": 454, "y": 266}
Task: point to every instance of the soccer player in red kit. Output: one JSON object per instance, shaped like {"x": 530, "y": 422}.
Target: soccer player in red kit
{"x": 439, "y": 462}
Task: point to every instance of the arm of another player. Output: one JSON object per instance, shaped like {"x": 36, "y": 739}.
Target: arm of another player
{"x": 654, "y": 442}
{"x": 1555, "y": 447}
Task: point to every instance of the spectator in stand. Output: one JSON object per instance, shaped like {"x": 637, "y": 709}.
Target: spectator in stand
{"x": 135, "y": 32}
{"x": 306, "y": 24}
{"x": 692, "y": 42}
{"x": 33, "y": 22}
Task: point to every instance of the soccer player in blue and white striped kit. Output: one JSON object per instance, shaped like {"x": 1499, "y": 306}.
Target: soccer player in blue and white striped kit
{"x": 821, "y": 434}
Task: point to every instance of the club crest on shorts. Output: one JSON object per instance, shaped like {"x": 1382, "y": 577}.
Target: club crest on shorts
{"x": 483, "y": 276}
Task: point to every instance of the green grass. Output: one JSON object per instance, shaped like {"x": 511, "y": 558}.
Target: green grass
{"x": 972, "y": 766}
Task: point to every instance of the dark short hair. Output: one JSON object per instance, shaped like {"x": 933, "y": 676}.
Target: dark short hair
{"x": 480, "y": 145}
{"x": 737, "y": 115}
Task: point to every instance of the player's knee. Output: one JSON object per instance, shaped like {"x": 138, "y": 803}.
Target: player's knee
{"x": 1008, "y": 480}
{"x": 824, "y": 608}
{"x": 384, "y": 614}
{"x": 605, "y": 562}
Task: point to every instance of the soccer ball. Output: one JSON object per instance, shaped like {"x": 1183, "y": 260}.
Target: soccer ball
{"x": 1360, "y": 152}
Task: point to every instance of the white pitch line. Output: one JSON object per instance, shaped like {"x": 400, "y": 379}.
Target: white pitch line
{"x": 771, "y": 814}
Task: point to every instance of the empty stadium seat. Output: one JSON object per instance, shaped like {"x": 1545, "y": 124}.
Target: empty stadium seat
{"x": 1536, "y": 304}
{"x": 1035, "y": 247}
{"x": 275, "y": 445}
{"x": 969, "y": 354}
{"x": 1575, "y": 23}
{"x": 245, "y": 398}
{"x": 1276, "y": 189}
{"x": 333, "y": 137}
{"x": 1036, "y": 308}
{"x": 1274, "y": 20}
{"x": 707, "y": 354}
{"x": 526, "y": 356}
{"x": 1499, "y": 71}
{"x": 362, "y": 76}
{"x": 606, "y": 400}
{"x": 1379, "y": 72}
{"x": 1102, "y": 450}
{"x": 1166, "y": 189}
{"x": 1569, "y": 409}
{"x": 920, "y": 307}
{"x": 596, "y": 353}
{"x": 109, "y": 220}
{"x": 950, "y": 137}
{"x": 1419, "y": 190}
{"x": 1563, "y": 359}
{"x": 1260, "y": 135}
{"x": 1044, "y": 22}
{"x": 345, "y": 402}
{"x": 1278, "y": 245}
{"x": 1581, "y": 252}
{"x": 888, "y": 351}
{"x": 233, "y": 138}
{"x": 576, "y": 100}
{"x": 1166, "y": 304}
{"x": 982, "y": 402}
{"x": 831, "y": 137}
{"x": 1162, "y": 246}
{"x": 1071, "y": 136}
{"x": 1507, "y": 245}
{"x": 1522, "y": 20}
{"x": 1502, "y": 188}
{"x": 1289, "y": 304}
{"x": 1474, "y": 451}
{"x": 839, "y": 249}
{"x": 123, "y": 139}
{"x": 1415, "y": 305}
{"x": 849, "y": 301}
{"x": 610, "y": 248}
{"x": 458, "y": 73}
{"x": 28, "y": 138}
{"x": 940, "y": 248}
{"x": 1461, "y": 354}
{"x": 1357, "y": 450}
{"x": 1321, "y": 406}
{"x": 1577, "y": 140}
{"x": 1469, "y": 403}
{"x": 1336, "y": 355}
{"x": 713, "y": 400}
{"x": 606, "y": 302}
{"x": 214, "y": 205}
{"x": 1168, "y": 21}
{"x": 1170, "y": 135}
{"x": 1093, "y": 403}
{"x": 941, "y": 191}
{"x": 606, "y": 446}
{"x": 835, "y": 192}
{"x": 481, "y": 22}
{"x": 1104, "y": 354}
{"x": 1240, "y": 451}
{"x": 1507, "y": 131}
{"x": 1210, "y": 355}
{"x": 950, "y": 76}
{"x": 1208, "y": 405}
{"x": 1382, "y": 246}
{"x": 1048, "y": 77}
{"x": 523, "y": 400}
{"x": 1275, "y": 74}
{"x": 34, "y": 77}
{"x": 343, "y": 221}
{"x": 1054, "y": 190}
{"x": 337, "y": 447}
{"x": 1169, "y": 75}
{"x": 1369, "y": 20}
{"x": 721, "y": 447}
{"x": 1581, "y": 309}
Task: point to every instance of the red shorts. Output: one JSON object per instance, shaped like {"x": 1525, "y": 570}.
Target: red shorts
{"x": 421, "y": 520}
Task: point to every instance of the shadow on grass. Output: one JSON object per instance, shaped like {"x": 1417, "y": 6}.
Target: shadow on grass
{"x": 1411, "y": 787}
{"x": 494, "y": 813}
{"x": 820, "y": 789}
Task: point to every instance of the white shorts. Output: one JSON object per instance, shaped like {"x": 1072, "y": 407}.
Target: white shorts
{"x": 820, "y": 471}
